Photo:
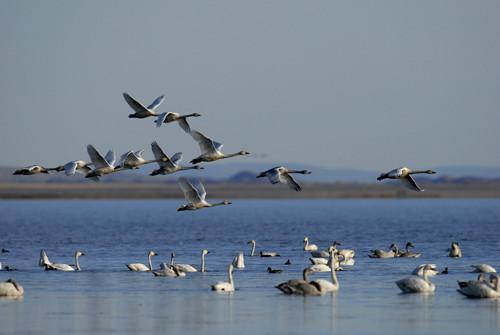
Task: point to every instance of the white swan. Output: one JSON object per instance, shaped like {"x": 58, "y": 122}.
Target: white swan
{"x": 44, "y": 259}
{"x": 378, "y": 253}
{"x": 345, "y": 253}
{"x": 168, "y": 165}
{"x": 102, "y": 165}
{"x": 210, "y": 149}
{"x": 281, "y": 174}
{"x": 203, "y": 253}
{"x": 11, "y": 288}
{"x": 65, "y": 267}
{"x": 134, "y": 160}
{"x": 253, "y": 243}
{"x": 333, "y": 285}
{"x": 486, "y": 268}
{"x": 31, "y": 170}
{"x": 195, "y": 194}
{"x": 168, "y": 271}
{"x": 225, "y": 286}
{"x": 309, "y": 247}
{"x": 239, "y": 261}
{"x": 482, "y": 288}
{"x": 139, "y": 267}
{"x": 176, "y": 117}
{"x": 182, "y": 267}
{"x": 407, "y": 253}
{"x": 455, "y": 251}
{"x": 419, "y": 270}
{"x": 268, "y": 254}
{"x": 404, "y": 174}
{"x": 417, "y": 284}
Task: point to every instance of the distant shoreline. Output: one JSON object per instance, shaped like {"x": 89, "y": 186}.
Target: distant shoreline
{"x": 244, "y": 191}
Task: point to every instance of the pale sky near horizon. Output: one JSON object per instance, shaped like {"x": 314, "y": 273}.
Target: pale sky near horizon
{"x": 365, "y": 84}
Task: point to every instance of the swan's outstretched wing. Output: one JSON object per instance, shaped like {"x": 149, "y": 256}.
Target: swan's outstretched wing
{"x": 96, "y": 158}
{"x": 206, "y": 144}
{"x": 110, "y": 157}
{"x": 161, "y": 119}
{"x": 202, "y": 193}
{"x": 273, "y": 175}
{"x": 176, "y": 158}
{"x": 162, "y": 158}
{"x": 190, "y": 192}
{"x": 132, "y": 158}
{"x": 218, "y": 146}
{"x": 139, "y": 153}
{"x": 70, "y": 168}
{"x": 136, "y": 105}
{"x": 184, "y": 125}
{"x": 157, "y": 102}
{"x": 285, "y": 178}
{"x": 411, "y": 184}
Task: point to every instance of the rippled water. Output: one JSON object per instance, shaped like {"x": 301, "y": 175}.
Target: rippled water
{"x": 107, "y": 298}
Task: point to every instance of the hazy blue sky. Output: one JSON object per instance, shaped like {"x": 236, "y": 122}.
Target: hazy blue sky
{"x": 372, "y": 84}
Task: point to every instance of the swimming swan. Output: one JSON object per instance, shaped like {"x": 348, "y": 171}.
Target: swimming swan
{"x": 281, "y": 174}
{"x": 11, "y": 288}
{"x": 455, "y": 251}
{"x": 482, "y": 288}
{"x": 408, "y": 253}
{"x": 65, "y": 267}
{"x": 168, "y": 165}
{"x": 485, "y": 268}
{"x": 225, "y": 286}
{"x": 300, "y": 286}
{"x": 168, "y": 271}
{"x": 183, "y": 267}
{"x": 378, "y": 253}
{"x": 333, "y": 285}
{"x": 195, "y": 195}
{"x": 309, "y": 247}
{"x": 239, "y": 261}
{"x": 210, "y": 149}
{"x": 419, "y": 270}
{"x": 417, "y": 284}
{"x": 139, "y": 267}
{"x": 404, "y": 174}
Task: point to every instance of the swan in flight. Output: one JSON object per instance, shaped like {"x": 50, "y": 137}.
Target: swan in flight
{"x": 416, "y": 284}
{"x": 225, "y": 286}
{"x": 481, "y": 288}
{"x": 210, "y": 149}
{"x": 281, "y": 174}
{"x": 419, "y": 270}
{"x": 65, "y": 267}
{"x": 333, "y": 285}
{"x": 173, "y": 117}
{"x": 378, "y": 253}
{"x": 134, "y": 160}
{"x": 139, "y": 267}
{"x": 195, "y": 194}
{"x": 407, "y": 253}
{"x": 484, "y": 268}
{"x": 455, "y": 251}
{"x": 309, "y": 247}
{"x": 168, "y": 165}
{"x": 404, "y": 174}
{"x": 31, "y": 170}
{"x": 239, "y": 261}
{"x": 11, "y": 288}
{"x": 102, "y": 165}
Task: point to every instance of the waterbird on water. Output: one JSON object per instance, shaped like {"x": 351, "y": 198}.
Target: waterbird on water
{"x": 225, "y": 286}
{"x": 404, "y": 174}
{"x": 139, "y": 267}
{"x": 11, "y": 288}
{"x": 416, "y": 284}
{"x": 66, "y": 267}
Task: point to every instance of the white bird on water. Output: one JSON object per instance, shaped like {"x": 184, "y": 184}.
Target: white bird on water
{"x": 139, "y": 267}
{"x": 64, "y": 267}
{"x": 11, "y": 288}
{"x": 239, "y": 261}
{"x": 210, "y": 149}
{"x": 168, "y": 164}
{"x": 481, "y": 288}
{"x": 404, "y": 174}
{"x": 416, "y": 284}
{"x": 195, "y": 194}
{"x": 281, "y": 174}
{"x": 225, "y": 286}
{"x": 309, "y": 247}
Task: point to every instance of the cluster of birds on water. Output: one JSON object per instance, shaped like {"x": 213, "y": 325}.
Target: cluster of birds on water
{"x": 331, "y": 260}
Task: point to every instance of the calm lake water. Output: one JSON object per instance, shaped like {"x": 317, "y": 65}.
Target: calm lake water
{"x": 106, "y": 298}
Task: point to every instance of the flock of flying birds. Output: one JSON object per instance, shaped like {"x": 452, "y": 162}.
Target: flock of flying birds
{"x": 210, "y": 151}
{"x": 331, "y": 260}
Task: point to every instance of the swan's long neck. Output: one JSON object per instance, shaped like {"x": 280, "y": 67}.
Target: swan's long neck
{"x": 195, "y": 167}
{"x": 253, "y": 249}
{"x": 77, "y": 263}
{"x": 304, "y": 275}
{"x": 230, "y": 275}
{"x": 232, "y": 155}
{"x": 188, "y": 115}
{"x": 150, "y": 263}
{"x": 172, "y": 259}
{"x": 333, "y": 261}
{"x": 298, "y": 171}
{"x": 218, "y": 204}
{"x": 418, "y": 171}
{"x": 425, "y": 276}
{"x": 306, "y": 244}
{"x": 202, "y": 262}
